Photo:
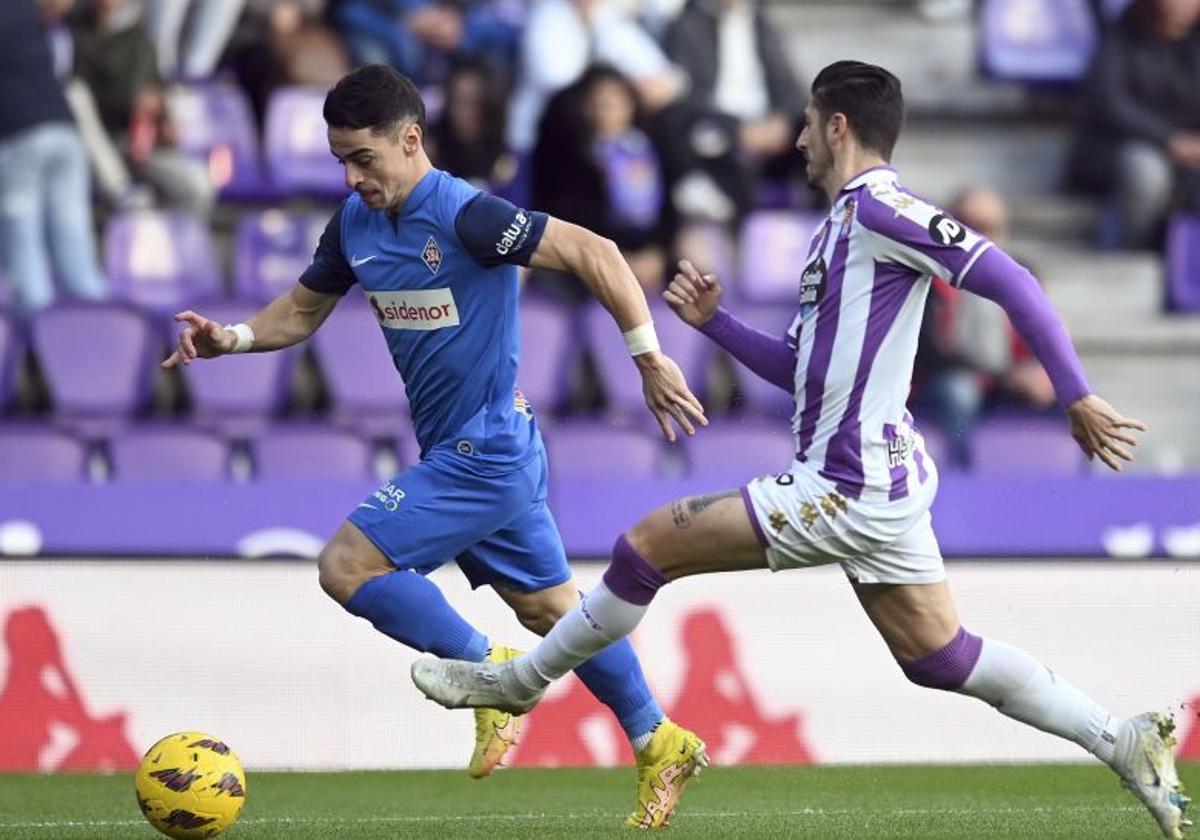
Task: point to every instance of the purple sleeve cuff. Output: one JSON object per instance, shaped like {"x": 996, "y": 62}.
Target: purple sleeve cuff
{"x": 771, "y": 358}
{"x": 998, "y": 277}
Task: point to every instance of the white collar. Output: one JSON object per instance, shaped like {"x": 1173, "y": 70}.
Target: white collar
{"x": 874, "y": 175}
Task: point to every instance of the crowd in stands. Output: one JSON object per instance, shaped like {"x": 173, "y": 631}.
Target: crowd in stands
{"x": 667, "y": 126}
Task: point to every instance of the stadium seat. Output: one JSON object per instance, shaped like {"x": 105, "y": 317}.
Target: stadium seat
{"x": 732, "y": 453}
{"x": 95, "y": 359}
{"x": 159, "y": 260}
{"x": 311, "y": 452}
{"x": 236, "y": 395}
{"x": 1040, "y": 41}
{"x": 774, "y": 247}
{"x": 29, "y": 454}
{"x": 1183, "y": 264}
{"x": 271, "y": 250}
{"x": 597, "y": 450}
{"x": 167, "y": 452}
{"x": 216, "y": 126}
{"x": 622, "y": 383}
{"x": 297, "y": 148}
{"x": 10, "y": 356}
{"x": 1025, "y": 446}
{"x": 759, "y": 397}
{"x": 356, "y": 365}
{"x": 549, "y": 350}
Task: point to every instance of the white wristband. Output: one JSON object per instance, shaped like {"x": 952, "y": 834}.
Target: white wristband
{"x": 641, "y": 339}
{"x": 245, "y": 337}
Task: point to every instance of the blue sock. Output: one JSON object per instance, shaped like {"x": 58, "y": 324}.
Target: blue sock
{"x": 615, "y": 676}
{"x": 412, "y": 610}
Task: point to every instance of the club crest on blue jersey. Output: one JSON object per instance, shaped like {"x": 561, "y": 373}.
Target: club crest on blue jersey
{"x": 432, "y": 255}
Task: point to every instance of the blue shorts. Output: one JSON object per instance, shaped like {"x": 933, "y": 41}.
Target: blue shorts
{"x": 496, "y": 527}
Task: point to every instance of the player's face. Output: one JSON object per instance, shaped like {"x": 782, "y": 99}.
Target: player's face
{"x": 811, "y": 143}
{"x": 379, "y": 167}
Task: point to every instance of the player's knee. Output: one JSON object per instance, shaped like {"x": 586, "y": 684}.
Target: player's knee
{"x": 539, "y": 616}
{"x": 336, "y": 572}
{"x": 948, "y": 668}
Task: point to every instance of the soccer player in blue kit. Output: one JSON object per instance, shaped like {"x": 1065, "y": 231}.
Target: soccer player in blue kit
{"x": 436, "y": 259}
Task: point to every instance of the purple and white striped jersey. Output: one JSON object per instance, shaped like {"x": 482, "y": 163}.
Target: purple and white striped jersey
{"x": 862, "y": 297}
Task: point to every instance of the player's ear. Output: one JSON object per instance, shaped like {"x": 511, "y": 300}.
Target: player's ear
{"x": 411, "y": 139}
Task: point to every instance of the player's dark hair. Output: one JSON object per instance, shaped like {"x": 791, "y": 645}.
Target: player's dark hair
{"x": 374, "y": 96}
{"x": 869, "y": 97}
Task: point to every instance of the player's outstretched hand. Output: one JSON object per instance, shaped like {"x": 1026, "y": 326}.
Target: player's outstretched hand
{"x": 693, "y": 296}
{"x": 200, "y": 338}
{"x": 668, "y": 395}
{"x": 1100, "y": 430}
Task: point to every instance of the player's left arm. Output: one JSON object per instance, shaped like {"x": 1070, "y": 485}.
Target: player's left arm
{"x": 1099, "y": 428}
{"x": 494, "y": 232}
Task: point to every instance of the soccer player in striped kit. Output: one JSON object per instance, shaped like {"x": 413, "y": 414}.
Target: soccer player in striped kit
{"x": 860, "y": 488}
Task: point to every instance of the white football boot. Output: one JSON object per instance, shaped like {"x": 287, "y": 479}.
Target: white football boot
{"x": 1145, "y": 761}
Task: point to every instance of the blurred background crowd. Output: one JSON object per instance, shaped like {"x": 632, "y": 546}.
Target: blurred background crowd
{"x": 163, "y": 154}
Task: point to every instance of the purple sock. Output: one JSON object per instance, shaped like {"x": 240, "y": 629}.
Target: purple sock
{"x": 630, "y": 576}
{"x": 949, "y": 667}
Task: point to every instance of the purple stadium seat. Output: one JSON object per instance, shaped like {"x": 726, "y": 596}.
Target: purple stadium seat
{"x": 1183, "y": 264}
{"x": 357, "y": 367}
{"x": 271, "y": 251}
{"x": 29, "y": 454}
{"x": 169, "y": 452}
{"x": 160, "y": 260}
{"x": 732, "y": 453}
{"x": 622, "y": 383}
{"x": 774, "y": 246}
{"x": 297, "y": 148}
{"x": 759, "y": 397}
{"x": 10, "y": 355}
{"x": 1037, "y": 40}
{"x": 549, "y": 349}
{"x": 597, "y": 450}
{"x": 236, "y": 394}
{"x": 95, "y": 361}
{"x": 311, "y": 452}
{"x": 1025, "y": 446}
{"x": 710, "y": 248}
{"x": 216, "y": 126}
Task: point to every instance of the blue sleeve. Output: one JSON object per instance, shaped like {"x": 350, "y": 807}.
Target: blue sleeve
{"x": 495, "y": 231}
{"x": 329, "y": 273}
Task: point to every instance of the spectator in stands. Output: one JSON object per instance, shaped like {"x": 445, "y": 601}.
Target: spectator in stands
{"x": 745, "y": 105}
{"x": 420, "y": 37}
{"x": 562, "y": 38}
{"x": 44, "y": 181}
{"x": 969, "y": 354}
{"x": 117, "y": 62}
{"x": 468, "y": 138}
{"x": 1140, "y": 137}
{"x": 596, "y": 166}
{"x": 189, "y": 36}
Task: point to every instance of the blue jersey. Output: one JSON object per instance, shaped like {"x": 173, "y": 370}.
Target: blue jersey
{"x": 441, "y": 277}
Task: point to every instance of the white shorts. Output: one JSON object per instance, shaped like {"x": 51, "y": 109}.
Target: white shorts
{"x": 802, "y": 520}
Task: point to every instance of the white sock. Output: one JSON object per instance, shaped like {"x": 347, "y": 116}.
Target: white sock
{"x": 1026, "y": 690}
{"x": 599, "y": 619}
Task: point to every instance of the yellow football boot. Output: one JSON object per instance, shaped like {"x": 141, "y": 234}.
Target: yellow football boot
{"x": 496, "y": 732}
{"x": 664, "y": 766}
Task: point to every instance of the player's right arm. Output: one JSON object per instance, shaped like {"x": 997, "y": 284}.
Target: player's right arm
{"x": 288, "y": 319}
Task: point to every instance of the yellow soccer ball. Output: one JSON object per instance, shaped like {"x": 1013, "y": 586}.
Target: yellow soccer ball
{"x": 190, "y": 785}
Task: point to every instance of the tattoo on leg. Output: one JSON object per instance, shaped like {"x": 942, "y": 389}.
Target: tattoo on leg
{"x": 682, "y": 520}
{"x": 696, "y": 504}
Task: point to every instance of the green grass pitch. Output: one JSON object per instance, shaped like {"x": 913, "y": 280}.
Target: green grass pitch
{"x": 919, "y": 802}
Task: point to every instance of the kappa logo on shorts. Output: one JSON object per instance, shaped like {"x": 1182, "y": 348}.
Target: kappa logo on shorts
{"x": 432, "y": 255}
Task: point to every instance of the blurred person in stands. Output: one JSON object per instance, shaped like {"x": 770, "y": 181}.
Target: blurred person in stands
{"x": 189, "y": 36}
{"x": 1140, "y": 135}
{"x": 45, "y": 193}
{"x": 562, "y": 38}
{"x": 468, "y": 138}
{"x": 116, "y": 61}
{"x": 744, "y": 103}
{"x": 596, "y": 166}
{"x": 969, "y": 354}
{"x": 421, "y": 37}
